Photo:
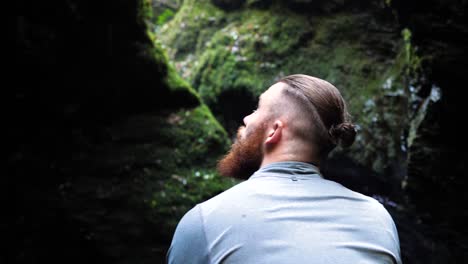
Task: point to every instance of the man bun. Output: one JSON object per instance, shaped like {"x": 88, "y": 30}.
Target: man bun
{"x": 343, "y": 134}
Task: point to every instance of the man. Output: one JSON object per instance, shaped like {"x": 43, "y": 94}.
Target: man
{"x": 286, "y": 212}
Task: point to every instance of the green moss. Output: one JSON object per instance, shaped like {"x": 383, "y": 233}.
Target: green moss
{"x": 195, "y": 23}
{"x": 192, "y": 142}
{"x": 176, "y": 83}
{"x": 243, "y": 55}
{"x": 171, "y": 84}
{"x": 180, "y": 163}
{"x": 412, "y": 60}
{"x": 145, "y": 10}
{"x": 384, "y": 119}
{"x": 257, "y": 48}
{"x": 164, "y": 17}
{"x": 252, "y": 48}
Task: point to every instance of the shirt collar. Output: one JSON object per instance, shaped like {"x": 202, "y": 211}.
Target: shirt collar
{"x": 295, "y": 170}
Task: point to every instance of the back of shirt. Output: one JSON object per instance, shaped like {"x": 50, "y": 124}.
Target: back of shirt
{"x": 286, "y": 213}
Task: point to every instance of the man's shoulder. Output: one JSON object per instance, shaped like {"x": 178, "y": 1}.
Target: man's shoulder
{"x": 367, "y": 205}
{"x": 232, "y": 195}
{"x": 380, "y": 217}
{"x": 374, "y": 206}
{"x": 190, "y": 228}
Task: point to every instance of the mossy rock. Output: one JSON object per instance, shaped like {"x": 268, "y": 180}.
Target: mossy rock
{"x": 252, "y": 48}
{"x": 114, "y": 148}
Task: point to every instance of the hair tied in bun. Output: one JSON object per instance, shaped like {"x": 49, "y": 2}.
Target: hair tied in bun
{"x": 343, "y": 134}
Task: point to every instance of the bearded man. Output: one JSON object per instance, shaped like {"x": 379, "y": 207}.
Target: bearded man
{"x": 285, "y": 211}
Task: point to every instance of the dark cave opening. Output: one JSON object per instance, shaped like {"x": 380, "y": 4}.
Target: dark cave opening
{"x": 232, "y": 107}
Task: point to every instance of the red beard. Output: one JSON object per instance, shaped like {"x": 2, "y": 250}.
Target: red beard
{"x": 245, "y": 156}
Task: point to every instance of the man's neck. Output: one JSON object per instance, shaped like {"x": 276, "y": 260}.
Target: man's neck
{"x": 268, "y": 159}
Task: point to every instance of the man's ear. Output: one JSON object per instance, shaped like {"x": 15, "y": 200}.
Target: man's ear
{"x": 274, "y": 133}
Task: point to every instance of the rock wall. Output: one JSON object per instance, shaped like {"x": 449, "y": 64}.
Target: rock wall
{"x": 107, "y": 147}
{"x": 232, "y": 55}
{"x": 437, "y": 180}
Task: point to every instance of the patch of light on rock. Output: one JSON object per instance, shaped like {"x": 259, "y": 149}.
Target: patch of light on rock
{"x": 436, "y": 93}
{"x": 388, "y": 83}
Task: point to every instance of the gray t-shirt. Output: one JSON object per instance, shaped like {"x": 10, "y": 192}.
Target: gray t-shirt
{"x": 286, "y": 213}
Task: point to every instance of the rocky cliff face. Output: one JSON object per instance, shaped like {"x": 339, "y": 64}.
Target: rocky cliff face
{"x": 107, "y": 145}
{"x": 231, "y": 55}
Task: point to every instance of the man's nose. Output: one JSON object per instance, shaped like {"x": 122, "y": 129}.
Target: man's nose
{"x": 246, "y": 119}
